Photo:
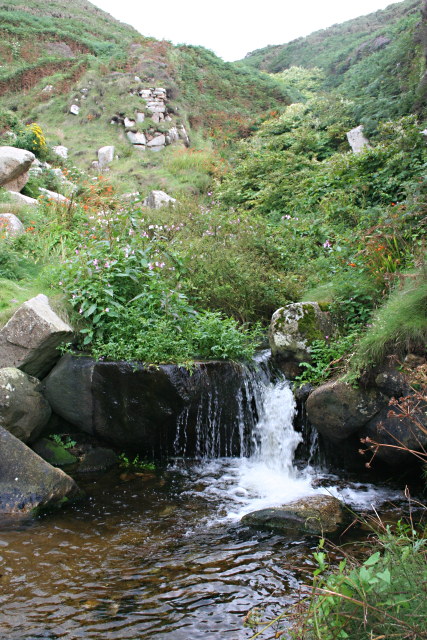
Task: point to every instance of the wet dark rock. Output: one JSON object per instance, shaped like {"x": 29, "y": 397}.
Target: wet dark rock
{"x": 97, "y": 460}
{"x": 337, "y": 410}
{"x": 301, "y": 393}
{"x": 392, "y": 383}
{"x": 26, "y": 481}
{"x": 398, "y": 433}
{"x": 138, "y": 407}
{"x": 68, "y": 389}
{"x": 313, "y": 515}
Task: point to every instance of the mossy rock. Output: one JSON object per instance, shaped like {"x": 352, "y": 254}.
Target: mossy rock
{"x": 312, "y": 515}
{"x": 295, "y": 327}
{"x": 54, "y": 453}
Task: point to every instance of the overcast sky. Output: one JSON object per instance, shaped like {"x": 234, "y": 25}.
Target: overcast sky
{"x": 232, "y": 28}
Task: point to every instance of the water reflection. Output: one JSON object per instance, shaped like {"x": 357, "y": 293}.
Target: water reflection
{"x": 138, "y": 559}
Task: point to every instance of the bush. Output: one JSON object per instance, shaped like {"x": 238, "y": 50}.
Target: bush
{"x": 125, "y": 287}
{"x": 383, "y": 597}
{"x": 134, "y": 335}
{"x": 326, "y": 359}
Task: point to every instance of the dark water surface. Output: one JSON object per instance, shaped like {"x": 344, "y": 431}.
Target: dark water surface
{"x": 141, "y": 557}
{"x": 162, "y": 555}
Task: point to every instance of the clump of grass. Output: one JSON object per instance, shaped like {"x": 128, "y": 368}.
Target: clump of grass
{"x": 398, "y": 326}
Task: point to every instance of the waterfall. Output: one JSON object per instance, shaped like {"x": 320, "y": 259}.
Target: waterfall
{"x": 275, "y": 439}
{"x": 260, "y": 472}
{"x": 245, "y": 452}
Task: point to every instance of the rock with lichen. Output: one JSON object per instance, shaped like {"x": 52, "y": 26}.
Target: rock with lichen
{"x": 312, "y": 515}
{"x": 293, "y": 329}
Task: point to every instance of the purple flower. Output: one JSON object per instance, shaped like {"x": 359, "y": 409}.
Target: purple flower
{"x": 327, "y": 244}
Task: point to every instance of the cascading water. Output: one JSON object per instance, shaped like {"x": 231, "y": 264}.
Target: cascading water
{"x": 263, "y": 474}
{"x": 161, "y": 555}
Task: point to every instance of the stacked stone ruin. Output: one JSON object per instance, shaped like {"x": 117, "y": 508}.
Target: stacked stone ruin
{"x": 156, "y": 109}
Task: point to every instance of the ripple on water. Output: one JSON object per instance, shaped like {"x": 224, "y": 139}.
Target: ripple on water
{"x": 161, "y": 559}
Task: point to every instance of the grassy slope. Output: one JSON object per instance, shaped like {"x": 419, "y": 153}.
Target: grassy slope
{"x": 213, "y": 99}
{"x": 377, "y": 60}
{"x": 333, "y": 48}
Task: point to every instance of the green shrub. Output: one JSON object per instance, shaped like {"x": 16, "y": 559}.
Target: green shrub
{"x": 11, "y": 264}
{"x": 124, "y": 285}
{"x": 326, "y": 358}
{"x": 134, "y": 335}
{"x": 383, "y": 597}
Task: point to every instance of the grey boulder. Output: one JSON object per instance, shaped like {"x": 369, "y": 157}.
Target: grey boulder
{"x": 26, "y": 481}
{"x": 23, "y": 409}
{"x": 14, "y": 166}
{"x": 15, "y": 196}
{"x": 357, "y": 140}
{"x": 105, "y": 155}
{"x": 11, "y": 225}
{"x": 30, "y": 339}
{"x": 313, "y": 515}
{"x": 158, "y": 199}
{"x": 337, "y": 410}
{"x": 293, "y": 329}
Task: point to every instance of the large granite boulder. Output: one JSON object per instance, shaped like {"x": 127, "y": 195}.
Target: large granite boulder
{"x": 105, "y": 156}
{"x": 293, "y": 329}
{"x": 14, "y": 166}
{"x": 54, "y": 196}
{"x": 158, "y": 411}
{"x": 26, "y": 481}
{"x": 24, "y": 411}
{"x": 337, "y": 410}
{"x": 10, "y": 225}
{"x": 314, "y": 515}
{"x": 30, "y": 339}
{"x": 158, "y": 199}
{"x": 21, "y": 199}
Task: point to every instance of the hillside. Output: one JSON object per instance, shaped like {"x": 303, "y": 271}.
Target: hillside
{"x": 59, "y": 54}
{"x": 377, "y": 60}
{"x": 272, "y": 207}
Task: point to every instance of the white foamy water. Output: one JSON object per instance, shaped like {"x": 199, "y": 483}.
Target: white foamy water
{"x": 269, "y": 477}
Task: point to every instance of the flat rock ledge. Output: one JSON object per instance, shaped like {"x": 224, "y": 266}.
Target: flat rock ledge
{"x": 316, "y": 515}
{"x": 155, "y": 410}
{"x": 27, "y": 482}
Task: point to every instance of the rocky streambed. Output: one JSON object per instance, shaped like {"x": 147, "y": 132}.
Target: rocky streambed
{"x": 201, "y": 542}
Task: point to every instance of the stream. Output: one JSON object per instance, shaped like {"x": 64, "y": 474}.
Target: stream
{"x": 162, "y": 555}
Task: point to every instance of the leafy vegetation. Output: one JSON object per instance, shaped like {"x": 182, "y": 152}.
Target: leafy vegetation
{"x": 136, "y": 463}
{"x": 381, "y": 596}
{"x": 375, "y": 60}
{"x": 293, "y": 214}
{"x": 398, "y": 327}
